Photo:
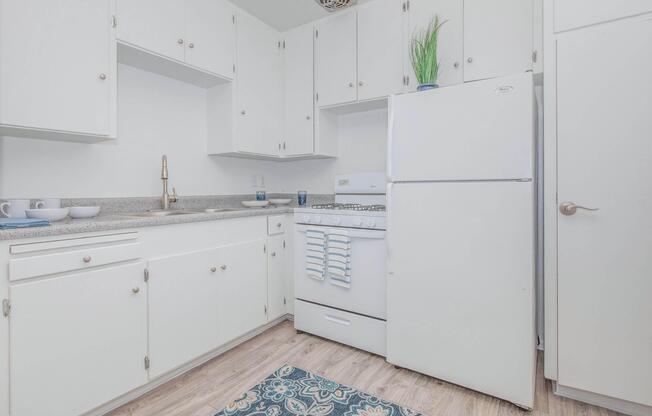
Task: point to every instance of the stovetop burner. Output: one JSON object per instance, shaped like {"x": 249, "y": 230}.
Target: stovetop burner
{"x": 350, "y": 207}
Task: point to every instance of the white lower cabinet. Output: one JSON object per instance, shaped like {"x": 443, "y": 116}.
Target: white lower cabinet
{"x": 77, "y": 340}
{"x": 277, "y": 267}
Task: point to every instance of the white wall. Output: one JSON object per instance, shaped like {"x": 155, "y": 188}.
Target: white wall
{"x": 156, "y": 116}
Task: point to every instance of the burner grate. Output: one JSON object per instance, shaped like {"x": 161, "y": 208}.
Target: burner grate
{"x": 350, "y": 207}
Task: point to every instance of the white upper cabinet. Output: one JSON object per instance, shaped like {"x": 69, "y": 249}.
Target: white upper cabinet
{"x": 299, "y": 92}
{"x": 57, "y": 69}
{"x": 380, "y": 69}
{"x": 336, "y": 59}
{"x": 570, "y": 14}
{"x": 451, "y": 38}
{"x": 259, "y": 88}
{"x": 210, "y": 35}
{"x": 497, "y": 38}
{"x": 155, "y": 25}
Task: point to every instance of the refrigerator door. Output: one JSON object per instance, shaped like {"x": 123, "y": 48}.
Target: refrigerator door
{"x": 461, "y": 302}
{"x": 476, "y": 131}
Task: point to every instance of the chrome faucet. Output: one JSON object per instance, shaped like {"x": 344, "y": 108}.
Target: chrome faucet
{"x": 166, "y": 198}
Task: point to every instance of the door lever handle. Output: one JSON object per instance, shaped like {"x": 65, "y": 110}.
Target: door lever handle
{"x": 569, "y": 208}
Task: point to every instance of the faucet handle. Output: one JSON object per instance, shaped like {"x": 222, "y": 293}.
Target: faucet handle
{"x": 174, "y": 197}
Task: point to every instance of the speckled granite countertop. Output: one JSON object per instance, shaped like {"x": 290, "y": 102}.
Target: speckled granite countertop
{"x": 126, "y": 221}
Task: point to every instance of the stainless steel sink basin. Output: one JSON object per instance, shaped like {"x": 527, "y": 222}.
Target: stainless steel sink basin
{"x": 214, "y": 210}
{"x": 163, "y": 213}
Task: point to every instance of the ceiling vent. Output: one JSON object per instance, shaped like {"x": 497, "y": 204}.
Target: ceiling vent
{"x": 335, "y": 5}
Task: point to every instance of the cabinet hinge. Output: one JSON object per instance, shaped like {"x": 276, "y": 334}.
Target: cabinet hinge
{"x": 404, "y": 7}
{"x": 283, "y": 243}
{"x": 279, "y": 146}
{"x": 283, "y": 44}
{"x": 234, "y": 68}
{"x": 6, "y": 307}
{"x": 317, "y": 97}
{"x": 534, "y": 56}
{"x": 233, "y": 18}
{"x": 114, "y": 21}
{"x": 279, "y": 44}
{"x": 146, "y": 275}
{"x": 146, "y": 363}
{"x": 407, "y": 3}
{"x": 317, "y": 33}
{"x": 285, "y": 301}
{"x": 265, "y": 248}
{"x": 265, "y": 309}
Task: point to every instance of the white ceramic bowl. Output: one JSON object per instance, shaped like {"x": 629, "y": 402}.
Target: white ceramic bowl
{"x": 50, "y": 214}
{"x": 84, "y": 212}
{"x": 255, "y": 204}
{"x": 280, "y": 201}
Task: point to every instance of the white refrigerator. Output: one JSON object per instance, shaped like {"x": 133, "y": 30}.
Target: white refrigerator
{"x": 461, "y": 236}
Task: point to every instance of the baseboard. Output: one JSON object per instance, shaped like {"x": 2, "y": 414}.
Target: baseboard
{"x": 617, "y": 405}
{"x": 140, "y": 391}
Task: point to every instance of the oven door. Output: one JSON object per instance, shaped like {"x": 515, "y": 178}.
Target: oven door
{"x": 368, "y": 292}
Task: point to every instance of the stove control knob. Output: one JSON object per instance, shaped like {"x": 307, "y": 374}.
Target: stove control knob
{"x": 357, "y": 222}
{"x": 317, "y": 220}
{"x": 371, "y": 223}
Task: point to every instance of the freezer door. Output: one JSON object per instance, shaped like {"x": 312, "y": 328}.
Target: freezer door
{"x": 461, "y": 284}
{"x": 482, "y": 130}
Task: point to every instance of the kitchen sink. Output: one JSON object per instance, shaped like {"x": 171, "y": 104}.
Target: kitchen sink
{"x": 214, "y": 210}
{"x": 163, "y": 213}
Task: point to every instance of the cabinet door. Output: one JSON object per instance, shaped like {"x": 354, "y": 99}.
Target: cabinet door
{"x": 210, "y": 36}
{"x": 277, "y": 262}
{"x": 380, "y": 68}
{"x": 259, "y": 87}
{"x": 242, "y": 295}
{"x": 497, "y": 38}
{"x": 336, "y": 59}
{"x": 57, "y": 65}
{"x": 183, "y": 320}
{"x": 77, "y": 341}
{"x": 155, "y": 25}
{"x": 451, "y": 38}
{"x": 571, "y": 14}
{"x": 299, "y": 92}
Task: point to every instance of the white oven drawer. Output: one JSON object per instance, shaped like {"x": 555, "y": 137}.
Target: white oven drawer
{"x": 359, "y": 331}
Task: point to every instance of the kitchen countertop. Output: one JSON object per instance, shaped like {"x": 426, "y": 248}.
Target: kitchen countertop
{"x": 126, "y": 221}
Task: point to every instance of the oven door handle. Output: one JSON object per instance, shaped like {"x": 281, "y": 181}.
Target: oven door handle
{"x": 367, "y": 234}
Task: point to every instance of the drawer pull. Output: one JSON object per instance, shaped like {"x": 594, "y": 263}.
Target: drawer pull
{"x": 87, "y": 259}
{"x": 339, "y": 321}
{"x": 278, "y": 224}
{"x": 213, "y": 269}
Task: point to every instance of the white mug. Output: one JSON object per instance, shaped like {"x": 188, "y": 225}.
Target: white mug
{"x": 15, "y": 208}
{"x": 48, "y": 203}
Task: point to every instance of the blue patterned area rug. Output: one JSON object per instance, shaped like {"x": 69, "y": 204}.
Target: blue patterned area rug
{"x": 291, "y": 391}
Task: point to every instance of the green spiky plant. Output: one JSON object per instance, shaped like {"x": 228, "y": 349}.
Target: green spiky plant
{"x": 423, "y": 52}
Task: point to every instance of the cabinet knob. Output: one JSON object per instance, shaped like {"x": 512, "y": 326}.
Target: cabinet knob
{"x": 308, "y": 117}
{"x": 191, "y": 45}
{"x": 351, "y": 84}
{"x": 456, "y": 65}
{"x": 180, "y": 41}
{"x": 243, "y": 112}
{"x": 102, "y": 77}
{"x": 361, "y": 83}
{"x": 87, "y": 259}
{"x": 278, "y": 224}
{"x": 223, "y": 267}
{"x": 469, "y": 59}
{"x": 213, "y": 269}
{"x": 135, "y": 290}
{"x": 273, "y": 254}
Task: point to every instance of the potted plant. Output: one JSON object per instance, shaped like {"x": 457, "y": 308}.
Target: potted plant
{"x": 423, "y": 54}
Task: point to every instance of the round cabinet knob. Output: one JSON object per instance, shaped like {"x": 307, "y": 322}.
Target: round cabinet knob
{"x": 273, "y": 254}
{"x": 278, "y": 224}
{"x": 308, "y": 118}
{"x": 102, "y": 77}
{"x": 469, "y": 59}
{"x": 243, "y": 112}
{"x": 191, "y": 45}
{"x": 213, "y": 269}
{"x": 351, "y": 85}
{"x": 456, "y": 65}
{"x": 135, "y": 290}
{"x": 87, "y": 259}
{"x": 361, "y": 83}
{"x": 223, "y": 267}
{"x": 180, "y": 41}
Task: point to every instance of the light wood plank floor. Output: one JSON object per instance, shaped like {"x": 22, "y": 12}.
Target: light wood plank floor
{"x": 207, "y": 389}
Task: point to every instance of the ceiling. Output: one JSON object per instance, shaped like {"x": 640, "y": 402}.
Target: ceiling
{"x": 284, "y": 14}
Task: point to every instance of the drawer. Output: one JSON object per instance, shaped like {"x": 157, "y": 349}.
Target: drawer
{"x": 359, "y": 331}
{"x": 80, "y": 258}
{"x": 276, "y": 224}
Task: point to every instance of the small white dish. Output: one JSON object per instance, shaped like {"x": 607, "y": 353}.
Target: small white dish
{"x": 84, "y": 212}
{"x": 282, "y": 201}
{"x": 50, "y": 214}
{"x": 255, "y": 204}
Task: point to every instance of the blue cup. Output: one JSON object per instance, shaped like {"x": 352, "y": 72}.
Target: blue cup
{"x": 302, "y": 198}
{"x": 261, "y": 196}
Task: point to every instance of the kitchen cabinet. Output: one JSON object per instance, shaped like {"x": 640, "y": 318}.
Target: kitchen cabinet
{"x": 380, "y": 48}
{"x": 199, "y": 33}
{"x": 277, "y": 267}
{"x": 57, "y": 69}
{"x": 497, "y": 38}
{"x": 77, "y": 340}
{"x": 259, "y": 88}
{"x": 183, "y": 312}
{"x": 571, "y": 14}
{"x": 420, "y": 13}
{"x": 336, "y": 59}
{"x": 299, "y": 91}
{"x": 242, "y": 298}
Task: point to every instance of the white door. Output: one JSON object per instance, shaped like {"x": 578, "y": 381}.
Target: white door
{"x": 155, "y": 25}
{"x": 277, "y": 262}
{"x": 57, "y": 66}
{"x": 380, "y": 67}
{"x": 242, "y": 297}
{"x": 461, "y": 284}
{"x": 497, "y": 38}
{"x": 77, "y": 341}
{"x": 259, "y": 87}
{"x": 451, "y": 40}
{"x": 183, "y": 312}
{"x": 479, "y": 130}
{"x": 605, "y": 162}
{"x": 570, "y": 14}
{"x": 336, "y": 59}
{"x": 299, "y": 92}
{"x": 210, "y": 36}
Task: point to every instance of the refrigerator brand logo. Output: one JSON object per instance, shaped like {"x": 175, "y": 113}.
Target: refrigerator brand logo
{"x": 505, "y": 89}
{"x": 343, "y": 182}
